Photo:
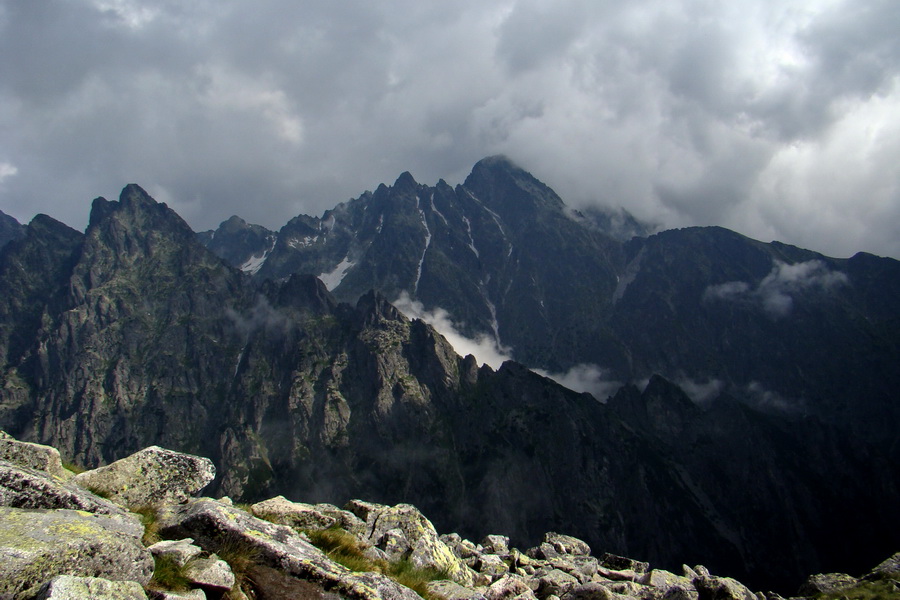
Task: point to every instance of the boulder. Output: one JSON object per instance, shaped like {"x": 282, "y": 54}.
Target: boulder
{"x": 665, "y": 580}
{"x": 179, "y": 551}
{"x": 212, "y": 574}
{"x": 623, "y": 563}
{"x": 426, "y": 549}
{"x": 566, "y": 544}
{"x": 445, "y": 589}
{"x": 582, "y": 568}
{"x": 491, "y": 565}
{"x": 68, "y": 587}
{"x": 33, "y": 456}
{"x": 293, "y": 514}
{"x": 346, "y": 519}
{"x": 37, "y": 545}
{"x": 495, "y": 544}
{"x": 554, "y": 583}
{"x": 394, "y": 544}
{"x": 588, "y": 591}
{"x": 508, "y": 587}
{"x": 22, "y": 487}
{"x": 152, "y": 476}
{"x": 889, "y": 569}
{"x": 721, "y": 588}
{"x": 827, "y": 583}
{"x": 169, "y": 595}
{"x": 215, "y": 526}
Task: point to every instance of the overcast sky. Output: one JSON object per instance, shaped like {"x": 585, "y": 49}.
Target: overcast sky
{"x": 777, "y": 118}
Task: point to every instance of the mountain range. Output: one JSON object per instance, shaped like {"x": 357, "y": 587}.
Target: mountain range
{"x": 744, "y": 394}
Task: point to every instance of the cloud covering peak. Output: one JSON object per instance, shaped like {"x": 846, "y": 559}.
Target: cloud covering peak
{"x": 779, "y": 119}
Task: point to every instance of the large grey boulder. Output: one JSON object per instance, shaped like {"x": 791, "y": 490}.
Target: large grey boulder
{"x": 150, "y": 477}
{"x": 216, "y": 527}
{"x": 37, "y": 545}
{"x": 827, "y": 583}
{"x": 444, "y": 589}
{"x": 33, "y": 456}
{"x": 68, "y": 587}
{"x": 293, "y": 514}
{"x": 722, "y": 588}
{"x": 426, "y": 550}
{"x": 210, "y": 573}
{"x": 179, "y": 552}
{"x": 566, "y": 544}
{"x": 21, "y": 487}
{"x": 509, "y": 587}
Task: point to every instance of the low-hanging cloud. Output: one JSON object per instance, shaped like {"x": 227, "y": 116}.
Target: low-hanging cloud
{"x": 484, "y": 348}
{"x": 588, "y": 378}
{"x": 775, "y": 293}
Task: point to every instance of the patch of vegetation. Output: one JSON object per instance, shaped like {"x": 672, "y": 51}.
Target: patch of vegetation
{"x": 150, "y": 520}
{"x": 884, "y": 589}
{"x": 168, "y": 575}
{"x": 345, "y": 549}
{"x": 73, "y": 468}
{"x": 241, "y": 557}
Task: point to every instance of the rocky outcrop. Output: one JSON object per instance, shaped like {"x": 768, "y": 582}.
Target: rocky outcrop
{"x": 149, "y": 477}
{"x": 213, "y": 549}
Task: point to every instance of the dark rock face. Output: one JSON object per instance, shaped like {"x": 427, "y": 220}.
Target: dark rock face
{"x": 10, "y": 229}
{"x": 135, "y": 334}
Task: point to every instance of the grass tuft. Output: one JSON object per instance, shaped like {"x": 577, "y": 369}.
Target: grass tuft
{"x": 168, "y": 575}
{"x": 150, "y": 520}
{"x": 241, "y": 557}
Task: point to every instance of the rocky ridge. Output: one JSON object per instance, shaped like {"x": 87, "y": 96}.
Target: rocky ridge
{"x": 61, "y": 539}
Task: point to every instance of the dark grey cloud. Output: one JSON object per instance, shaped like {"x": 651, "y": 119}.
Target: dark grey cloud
{"x": 777, "y": 119}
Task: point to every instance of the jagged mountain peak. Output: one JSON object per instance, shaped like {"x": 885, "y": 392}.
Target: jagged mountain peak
{"x": 10, "y": 229}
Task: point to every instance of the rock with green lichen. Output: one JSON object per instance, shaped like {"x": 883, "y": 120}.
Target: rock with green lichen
{"x": 67, "y": 587}
{"x": 224, "y": 529}
{"x": 293, "y": 514}
{"x": 425, "y": 549}
{"x": 21, "y": 487}
{"x": 150, "y": 477}
{"x": 33, "y": 456}
{"x": 36, "y": 545}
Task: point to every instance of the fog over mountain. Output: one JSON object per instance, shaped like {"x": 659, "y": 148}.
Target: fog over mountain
{"x": 775, "y": 119}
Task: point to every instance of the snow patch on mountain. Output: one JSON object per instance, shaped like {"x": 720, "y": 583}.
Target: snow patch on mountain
{"x": 333, "y": 278}
{"x": 255, "y": 263}
{"x": 427, "y": 244}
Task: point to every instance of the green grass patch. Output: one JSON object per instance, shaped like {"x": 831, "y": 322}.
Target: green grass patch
{"x": 149, "y": 516}
{"x": 168, "y": 575}
{"x": 241, "y": 557}
{"x": 884, "y": 589}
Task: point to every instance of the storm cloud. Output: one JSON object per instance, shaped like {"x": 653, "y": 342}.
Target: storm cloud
{"x": 779, "y": 119}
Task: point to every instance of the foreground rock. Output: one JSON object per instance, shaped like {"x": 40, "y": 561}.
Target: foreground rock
{"x": 152, "y": 476}
{"x": 36, "y": 545}
{"x": 216, "y": 527}
{"x": 67, "y": 587}
{"x": 32, "y": 456}
{"x": 22, "y": 487}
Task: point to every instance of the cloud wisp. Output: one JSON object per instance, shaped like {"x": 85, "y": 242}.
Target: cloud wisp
{"x": 775, "y": 293}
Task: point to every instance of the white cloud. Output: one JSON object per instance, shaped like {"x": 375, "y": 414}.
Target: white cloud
{"x": 484, "y": 348}
{"x": 776, "y": 291}
{"x": 585, "y": 378}
{"x": 7, "y": 170}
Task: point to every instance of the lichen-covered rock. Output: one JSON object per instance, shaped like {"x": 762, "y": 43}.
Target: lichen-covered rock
{"x": 178, "y": 551}
{"x": 509, "y": 587}
{"x": 495, "y": 544}
{"x": 68, "y": 587}
{"x": 426, "y": 549}
{"x": 21, "y": 487}
{"x": 346, "y": 519}
{"x": 210, "y": 573}
{"x": 583, "y": 568}
{"x": 827, "y": 583}
{"x": 394, "y": 544}
{"x": 554, "y": 583}
{"x": 293, "y": 514}
{"x": 445, "y": 589}
{"x": 152, "y": 476}
{"x": 588, "y": 591}
{"x": 623, "y": 563}
{"x": 665, "y": 580}
{"x": 722, "y": 588}
{"x": 36, "y": 545}
{"x": 215, "y": 526}
{"x": 491, "y": 565}
{"x": 566, "y": 544}
{"x": 33, "y": 456}
{"x": 889, "y": 568}
{"x": 169, "y": 595}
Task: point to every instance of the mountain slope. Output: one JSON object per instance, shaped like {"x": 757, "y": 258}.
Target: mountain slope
{"x": 136, "y": 334}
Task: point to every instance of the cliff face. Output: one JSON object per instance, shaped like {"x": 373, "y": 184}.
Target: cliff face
{"x": 134, "y": 334}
